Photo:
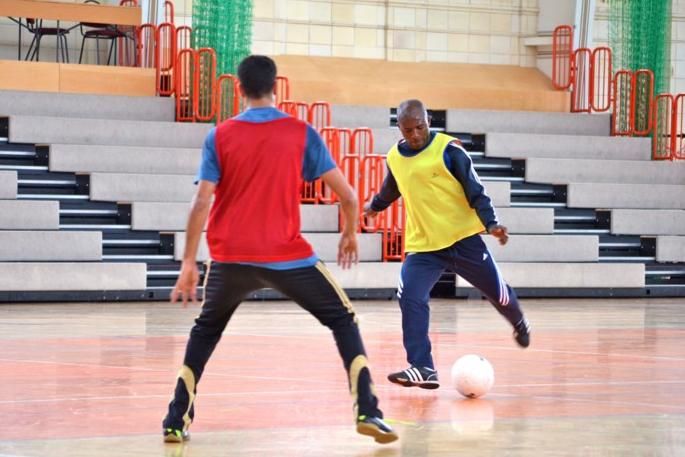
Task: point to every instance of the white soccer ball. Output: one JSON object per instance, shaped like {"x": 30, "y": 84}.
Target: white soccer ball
{"x": 473, "y": 376}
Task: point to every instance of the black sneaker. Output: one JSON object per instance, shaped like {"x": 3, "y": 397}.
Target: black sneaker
{"x": 376, "y": 428}
{"x": 174, "y": 435}
{"x": 426, "y": 378}
{"x": 522, "y": 333}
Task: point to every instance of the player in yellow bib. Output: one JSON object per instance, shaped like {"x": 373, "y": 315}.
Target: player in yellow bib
{"x": 447, "y": 209}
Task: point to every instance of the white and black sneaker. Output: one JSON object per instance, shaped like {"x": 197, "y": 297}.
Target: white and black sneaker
{"x": 522, "y": 333}
{"x": 425, "y": 378}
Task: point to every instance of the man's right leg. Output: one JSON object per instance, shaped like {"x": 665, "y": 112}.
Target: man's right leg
{"x": 420, "y": 272}
{"x": 226, "y": 285}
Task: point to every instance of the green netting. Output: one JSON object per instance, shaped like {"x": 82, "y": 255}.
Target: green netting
{"x": 226, "y": 27}
{"x": 640, "y": 37}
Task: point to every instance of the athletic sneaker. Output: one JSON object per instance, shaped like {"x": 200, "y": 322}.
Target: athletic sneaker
{"x": 426, "y": 378}
{"x": 174, "y": 435}
{"x": 522, "y": 333}
{"x": 376, "y": 428}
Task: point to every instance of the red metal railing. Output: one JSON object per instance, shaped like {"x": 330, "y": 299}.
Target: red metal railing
{"x": 282, "y": 89}
{"x": 146, "y": 45}
{"x": 562, "y": 54}
{"x": 642, "y": 100}
{"x": 166, "y": 50}
{"x": 319, "y": 115}
{"x": 393, "y": 231}
{"x": 600, "y": 79}
{"x": 663, "y": 139}
{"x": 332, "y": 141}
{"x": 678, "y": 129}
{"x": 362, "y": 141}
{"x": 184, "y": 36}
{"x": 169, "y": 11}
{"x": 186, "y": 67}
{"x": 345, "y": 139}
{"x": 581, "y": 77}
{"x": 205, "y": 85}
{"x": 227, "y": 99}
{"x": 622, "y": 120}
{"x": 372, "y": 173}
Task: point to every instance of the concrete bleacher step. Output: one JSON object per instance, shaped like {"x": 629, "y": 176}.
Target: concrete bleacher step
{"x": 545, "y": 248}
{"x": 670, "y": 249}
{"x": 647, "y": 222}
{"x": 521, "y": 146}
{"x": 527, "y": 122}
{"x": 637, "y": 196}
{"x": 86, "y": 106}
{"x": 8, "y": 184}
{"x": 527, "y": 220}
{"x": 130, "y": 187}
{"x": 354, "y": 116}
{"x": 34, "y": 245}
{"x": 162, "y": 216}
{"x": 124, "y": 159}
{"x": 56, "y": 130}
{"x": 29, "y": 215}
{"x": 564, "y": 171}
{"x": 325, "y": 245}
{"x": 570, "y": 275}
{"x": 71, "y": 276}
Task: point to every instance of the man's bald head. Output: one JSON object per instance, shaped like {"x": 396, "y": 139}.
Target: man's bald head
{"x": 414, "y": 123}
{"x": 411, "y": 109}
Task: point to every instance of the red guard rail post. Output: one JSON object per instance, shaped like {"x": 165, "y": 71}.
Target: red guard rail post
{"x": 581, "y": 77}
{"x": 362, "y": 141}
{"x": 663, "y": 138}
{"x": 345, "y": 140}
{"x": 600, "y": 79}
{"x": 146, "y": 47}
{"x": 319, "y": 115}
{"x": 282, "y": 89}
{"x": 186, "y": 68}
{"x": 184, "y": 35}
{"x": 678, "y": 129}
{"x": 166, "y": 50}
{"x": 622, "y": 118}
{"x": 350, "y": 164}
{"x": 228, "y": 105}
{"x": 332, "y": 141}
{"x": 288, "y": 107}
{"x": 372, "y": 173}
{"x": 204, "y": 105}
{"x": 393, "y": 232}
{"x": 169, "y": 11}
{"x": 562, "y": 52}
{"x": 642, "y": 102}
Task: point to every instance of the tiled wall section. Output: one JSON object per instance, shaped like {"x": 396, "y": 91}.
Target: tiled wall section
{"x": 601, "y": 38}
{"x": 466, "y": 31}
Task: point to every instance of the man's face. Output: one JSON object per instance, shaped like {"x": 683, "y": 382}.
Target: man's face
{"x": 415, "y": 131}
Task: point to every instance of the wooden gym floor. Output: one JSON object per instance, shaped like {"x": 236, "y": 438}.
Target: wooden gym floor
{"x": 602, "y": 377}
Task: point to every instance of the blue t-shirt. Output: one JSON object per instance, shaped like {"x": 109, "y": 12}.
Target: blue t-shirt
{"x": 317, "y": 161}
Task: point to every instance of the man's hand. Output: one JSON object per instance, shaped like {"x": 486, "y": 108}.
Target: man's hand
{"x": 500, "y": 232}
{"x": 348, "y": 251}
{"x": 186, "y": 284}
{"x": 368, "y": 212}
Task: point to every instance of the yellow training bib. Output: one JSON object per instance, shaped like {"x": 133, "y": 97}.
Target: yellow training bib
{"x": 438, "y": 212}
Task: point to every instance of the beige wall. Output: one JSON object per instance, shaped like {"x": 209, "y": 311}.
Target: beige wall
{"x": 467, "y": 31}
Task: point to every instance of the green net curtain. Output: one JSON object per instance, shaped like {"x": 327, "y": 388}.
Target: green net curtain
{"x": 640, "y": 38}
{"x": 225, "y": 26}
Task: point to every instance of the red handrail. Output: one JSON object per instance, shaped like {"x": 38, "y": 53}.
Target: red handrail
{"x": 345, "y": 138}
{"x": 362, "y": 141}
{"x": 600, "y": 79}
{"x": 663, "y": 138}
{"x": 642, "y": 102}
{"x": 581, "y": 77}
{"x": 146, "y": 46}
{"x": 393, "y": 231}
{"x": 228, "y": 99}
{"x": 319, "y": 115}
{"x": 166, "y": 50}
{"x": 169, "y": 11}
{"x": 184, "y": 36}
{"x": 282, "y": 89}
{"x": 562, "y": 51}
{"x": 186, "y": 65}
{"x": 622, "y": 121}
{"x": 678, "y": 128}
{"x": 204, "y": 103}
{"x": 332, "y": 141}
{"x": 372, "y": 173}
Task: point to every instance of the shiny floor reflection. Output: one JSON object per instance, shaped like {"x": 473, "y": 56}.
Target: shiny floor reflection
{"x": 602, "y": 377}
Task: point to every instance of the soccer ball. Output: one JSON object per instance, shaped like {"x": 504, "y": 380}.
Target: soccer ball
{"x": 472, "y": 376}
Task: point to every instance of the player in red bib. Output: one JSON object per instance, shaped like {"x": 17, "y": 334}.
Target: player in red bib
{"x": 253, "y": 165}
